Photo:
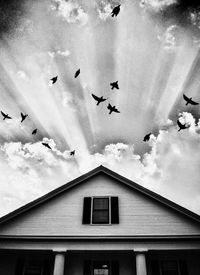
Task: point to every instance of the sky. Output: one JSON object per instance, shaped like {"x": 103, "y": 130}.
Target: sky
{"x": 151, "y": 48}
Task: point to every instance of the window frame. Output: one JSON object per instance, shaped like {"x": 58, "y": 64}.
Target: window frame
{"x": 27, "y": 265}
{"x": 170, "y": 260}
{"x": 109, "y": 210}
{"x": 162, "y": 260}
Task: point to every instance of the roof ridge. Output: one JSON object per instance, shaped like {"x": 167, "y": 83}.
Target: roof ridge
{"x": 91, "y": 173}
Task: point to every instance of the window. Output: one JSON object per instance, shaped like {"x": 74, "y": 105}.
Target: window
{"x": 169, "y": 267}
{"x": 100, "y": 213}
{"x": 101, "y": 267}
{"x": 33, "y": 268}
{"x": 100, "y": 210}
{"x": 30, "y": 266}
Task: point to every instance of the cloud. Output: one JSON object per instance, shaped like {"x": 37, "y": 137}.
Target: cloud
{"x": 65, "y": 53}
{"x": 21, "y": 74}
{"x": 157, "y": 5}
{"x": 170, "y": 168}
{"x": 70, "y": 11}
{"x": 105, "y": 11}
{"x": 170, "y": 37}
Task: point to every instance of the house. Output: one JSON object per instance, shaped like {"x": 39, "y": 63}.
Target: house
{"x": 100, "y": 224}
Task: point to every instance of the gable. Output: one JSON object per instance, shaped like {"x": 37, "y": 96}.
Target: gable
{"x": 139, "y": 215}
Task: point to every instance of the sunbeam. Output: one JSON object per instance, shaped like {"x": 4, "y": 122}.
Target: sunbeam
{"x": 154, "y": 56}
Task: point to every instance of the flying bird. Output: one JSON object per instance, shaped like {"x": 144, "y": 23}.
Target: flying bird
{"x": 181, "y": 126}
{"x": 147, "y": 137}
{"x": 72, "y": 153}
{"x": 23, "y": 117}
{"x": 112, "y": 109}
{"x": 46, "y": 145}
{"x": 5, "y": 116}
{"x": 54, "y": 79}
{"x": 77, "y": 73}
{"x": 115, "y": 11}
{"x": 114, "y": 85}
{"x": 189, "y": 100}
{"x": 34, "y": 132}
{"x": 98, "y": 99}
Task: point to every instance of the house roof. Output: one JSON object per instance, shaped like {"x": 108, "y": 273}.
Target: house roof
{"x": 101, "y": 169}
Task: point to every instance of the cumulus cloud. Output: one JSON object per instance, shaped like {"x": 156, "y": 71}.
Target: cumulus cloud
{"x": 70, "y": 11}
{"x": 170, "y": 168}
{"x": 170, "y": 37}
{"x": 157, "y": 5}
{"x": 64, "y": 53}
{"x": 21, "y": 74}
{"x": 105, "y": 11}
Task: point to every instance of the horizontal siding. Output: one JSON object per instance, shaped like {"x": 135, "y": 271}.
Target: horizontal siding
{"x": 138, "y": 214}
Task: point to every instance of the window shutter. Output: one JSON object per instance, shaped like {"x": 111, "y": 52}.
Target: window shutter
{"x": 115, "y": 268}
{"x": 114, "y": 210}
{"x": 183, "y": 267}
{"x": 86, "y": 210}
{"x": 19, "y": 267}
{"x": 155, "y": 267}
{"x": 87, "y": 268}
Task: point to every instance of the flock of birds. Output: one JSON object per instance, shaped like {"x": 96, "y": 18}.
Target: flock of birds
{"x": 114, "y": 85}
{"x": 180, "y": 125}
{"x": 54, "y": 79}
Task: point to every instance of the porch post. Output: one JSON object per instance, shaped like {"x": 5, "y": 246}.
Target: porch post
{"x": 141, "y": 268}
{"x": 59, "y": 263}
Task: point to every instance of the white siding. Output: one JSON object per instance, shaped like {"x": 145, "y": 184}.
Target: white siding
{"x": 138, "y": 214}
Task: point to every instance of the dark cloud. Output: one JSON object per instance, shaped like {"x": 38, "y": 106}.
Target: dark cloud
{"x": 185, "y": 4}
{"x": 10, "y": 14}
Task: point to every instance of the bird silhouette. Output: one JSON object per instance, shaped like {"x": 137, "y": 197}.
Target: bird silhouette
{"x": 23, "y": 117}
{"x": 112, "y": 109}
{"x": 147, "y": 137}
{"x": 77, "y": 73}
{"x": 72, "y": 153}
{"x": 181, "y": 126}
{"x": 189, "y": 100}
{"x": 115, "y": 11}
{"x": 98, "y": 99}
{"x": 34, "y": 132}
{"x": 46, "y": 145}
{"x": 5, "y": 116}
{"x": 54, "y": 79}
{"x": 114, "y": 85}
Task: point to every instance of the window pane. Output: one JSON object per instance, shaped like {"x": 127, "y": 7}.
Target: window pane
{"x": 100, "y": 213}
{"x": 101, "y": 216}
{"x": 101, "y": 268}
{"x": 33, "y": 268}
{"x": 100, "y": 203}
{"x": 169, "y": 268}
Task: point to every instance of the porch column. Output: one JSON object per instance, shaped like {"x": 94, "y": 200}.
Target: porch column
{"x": 141, "y": 268}
{"x": 59, "y": 263}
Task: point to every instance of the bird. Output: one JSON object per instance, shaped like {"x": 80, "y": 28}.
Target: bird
{"x": 112, "y": 109}
{"x": 5, "y": 116}
{"x": 46, "y": 145}
{"x": 114, "y": 85}
{"x": 181, "y": 126}
{"x": 34, "y": 132}
{"x": 98, "y": 99}
{"x": 77, "y": 73}
{"x": 54, "y": 79}
{"x": 147, "y": 137}
{"x": 189, "y": 100}
{"x": 72, "y": 153}
{"x": 23, "y": 117}
{"x": 115, "y": 11}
